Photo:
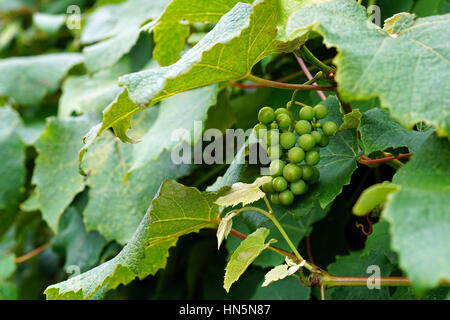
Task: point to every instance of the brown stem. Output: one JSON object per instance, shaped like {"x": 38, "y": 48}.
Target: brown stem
{"x": 31, "y": 254}
{"x": 289, "y": 86}
{"x": 322, "y": 292}
{"x": 367, "y": 161}
{"x": 308, "y": 248}
{"x": 246, "y": 86}
{"x": 361, "y": 226}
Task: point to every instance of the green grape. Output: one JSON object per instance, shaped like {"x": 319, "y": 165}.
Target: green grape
{"x": 303, "y": 127}
{"x": 274, "y": 152}
{"x": 316, "y": 175}
{"x": 280, "y": 111}
{"x": 276, "y": 167}
{"x": 275, "y": 198}
{"x": 312, "y": 158}
{"x": 292, "y": 172}
{"x": 287, "y": 140}
{"x": 324, "y": 141}
{"x": 272, "y": 138}
{"x": 317, "y": 124}
{"x": 296, "y": 154}
{"x": 268, "y": 187}
{"x": 320, "y": 111}
{"x": 307, "y": 172}
{"x": 306, "y": 113}
{"x": 299, "y": 187}
{"x": 317, "y": 136}
{"x": 306, "y": 142}
{"x": 286, "y": 197}
{"x": 274, "y": 125}
{"x": 266, "y": 115}
{"x": 329, "y": 128}
{"x": 259, "y": 129}
{"x": 279, "y": 184}
{"x": 283, "y": 121}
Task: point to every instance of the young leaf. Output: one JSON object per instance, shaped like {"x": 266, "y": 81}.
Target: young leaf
{"x": 243, "y": 193}
{"x": 175, "y": 211}
{"x": 419, "y": 217}
{"x": 280, "y": 272}
{"x": 351, "y": 120}
{"x": 414, "y": 90}
{"x": 244, "y": 255}
{"x": 224, "y": 227}
{"x": 373, "y": 197}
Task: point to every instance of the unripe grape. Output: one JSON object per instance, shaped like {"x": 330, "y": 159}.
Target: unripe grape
{"x": 329, "y": 128}
{"x": 307, "y": 172}
{"x": 312, "y": 158}
{"x": 299, "y": 187}
{"x": 316, "y": 175}
{"x": 268, "y": 187}
{"x": 286, "y": 197}
{"x": 276, "y": 167}
{"x": 274, "y": 125}
{"x": 283, "y": 121}
{"x": 274, "y": 152}
{"x": 279, "y": 184}
{"x": 275, "y": 199}
{"x": 292, "y": 172}
{"x": 306, "y": 113}
{"x": 317, "y": 136}
{"x": 259, "y": 129}
{"x": 320, "y": 111}
{"x": 272, "y": 138}
{"x": 266, "y": 115}
{"x": 296, "y": 154}
{"x": 287, "y": 140}
{"x": 303, "y": 127}
{"x": 306, "y": 142}
{"x": 324, "y": 141}
{"x": 280, "y": 111}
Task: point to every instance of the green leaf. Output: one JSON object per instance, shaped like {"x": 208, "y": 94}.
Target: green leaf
{"x": 49, "y": 23}
{"x": 377, "y": 253}
{"x": 224, "y": 227}
{"x": 280, "y": 272}
{"x": 56, "y": 163}
{"x": 373, "y": 196}
{"x": 120, "y": 25}
{"x": 86, "y": 93}
{"x": 405, "y": 71}
{"x": 244, "y": 255}
{"x": 189, "y": 124}
{"x": 243, "y": 193}
{"x": 7, "y": 266}
{"x": 425, "y": 8}
{"x": 418, "y": 214}
{"x": 175, "y": 211}
{"x": 12, "y": 153}
{"x": 212, "y": 60}
{"x": 79, "y": 247}
{"x": 28, "y": 80}
{"x": 380, "y": 132}
{"x": 173, "y": 27}
{"x": 8, "y": 291}
{"x": 399, "y": 22}
{"x": 351, "y": 120}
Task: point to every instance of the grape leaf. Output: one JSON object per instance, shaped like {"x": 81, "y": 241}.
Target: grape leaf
{"x": 170, "y": 121}
{"x": 376, "y": 252}
{"x": 7, "y": 266}
{"x": 86, "y": 93}
{"x": 380, "y": 132}
{"x": 28, "y": 80}
{"x": 243, "y": 193}
{"x": 244, "y": 255}
{"x": 418, "y": 214}
{"x": 12, "y": 153}
{"x": 373, "y": 196}
{"x": 79, "y": 247}
{"x": 48, "y": 23}
{"x": 173, "y": 27}
{"x": 56, "y": 163}
{"x": 212, "y": 60}
{"x": 120, "y": 25}
{"x": 425, "y": 8}
{"x": 8, "y": 291}
{"x": 175, "y": 211}
{"x": 280, "y": 272}
{"x": 403, "y": 70}
{"x": 224, "y": 227}
{"x": 351, "y": 120}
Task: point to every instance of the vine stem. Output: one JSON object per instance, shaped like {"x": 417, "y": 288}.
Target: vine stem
{"x": 289, "y": 86}
{"x": 31, "y": 254}
{"x": 367, "y": 161}
{"x": 309, "y": 76}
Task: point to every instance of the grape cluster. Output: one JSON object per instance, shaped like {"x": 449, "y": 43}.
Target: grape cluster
{"x": 294, "y": 149}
